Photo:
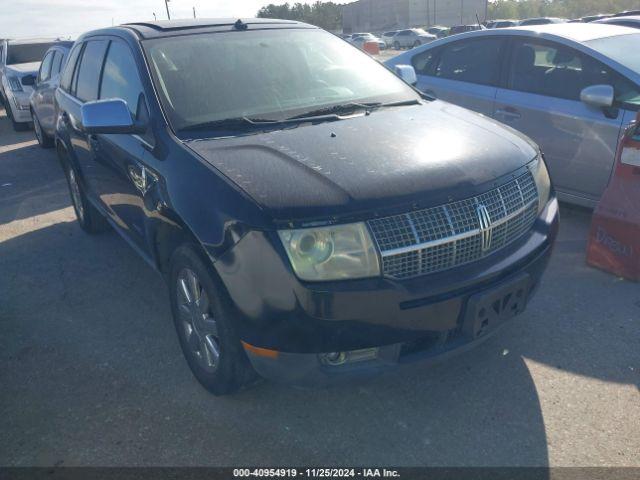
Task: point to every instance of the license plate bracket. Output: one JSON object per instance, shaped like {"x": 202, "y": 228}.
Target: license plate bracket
{"x": 489, "y": 309}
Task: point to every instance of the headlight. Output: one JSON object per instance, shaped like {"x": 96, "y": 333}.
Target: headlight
{"x": 331, "y": 253}
{"x": 15, "y": 84}
{"x": 543, "y": 182}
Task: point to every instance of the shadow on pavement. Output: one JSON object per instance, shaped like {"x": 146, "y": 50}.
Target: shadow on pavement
{"x": 30, "y": 177}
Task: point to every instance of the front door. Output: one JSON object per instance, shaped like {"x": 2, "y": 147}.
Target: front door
{"x": 122, "y": 175}
{"x": 543, "y": 101}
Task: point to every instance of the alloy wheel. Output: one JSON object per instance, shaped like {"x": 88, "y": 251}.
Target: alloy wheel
{"x": 199, "y": 325}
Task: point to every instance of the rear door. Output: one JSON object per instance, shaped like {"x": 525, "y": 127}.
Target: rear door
{"x": 39, "y": 103}
{"x": 464, "y": 72}
{"x": 48, "y": 114}
{"x": 542, "y": 100}
{"x": 80, "y": 85}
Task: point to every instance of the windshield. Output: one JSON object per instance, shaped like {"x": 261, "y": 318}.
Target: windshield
{"x": 264, "y": 74}
{"x": 621, "y": 48}
{"x": 26, "y": 53}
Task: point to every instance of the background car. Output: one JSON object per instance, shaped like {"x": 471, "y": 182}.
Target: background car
{"x": 42, "y": 101}
{"x": 359, "y": 39}
{"x": 505, "y": 23}
{"x": 438, "y": 31}
{"x": 411, "y": 38}
{"x": 387, "y": 38}
{"x": 19, "y": 64}
{"x": 593, "y": 18}
{"x": 456, "y": 29}
{"x": 627, "y": 13}
{"x": 630, "y": 21}
{"x": 541, "y": 21}
{"x": 569, "y": 87}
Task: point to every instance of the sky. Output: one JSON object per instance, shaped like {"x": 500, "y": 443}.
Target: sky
{"x": 70, "y": 18}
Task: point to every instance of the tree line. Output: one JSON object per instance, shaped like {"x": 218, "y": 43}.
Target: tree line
{"x": 327, "y": 15}
{"x": 519, "y": 9}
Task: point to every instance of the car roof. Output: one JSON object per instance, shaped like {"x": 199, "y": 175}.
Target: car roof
{"x": 578, "y": 32}
{"x": 27, "y": 41}
{"x": 165, "y": 28}
{"x": 612, "y": 20}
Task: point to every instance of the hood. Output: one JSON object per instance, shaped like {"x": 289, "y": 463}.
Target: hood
{"x": 428, "y": 35}
{"x": 24, "y": 68}
{"x": 420, "y": 155}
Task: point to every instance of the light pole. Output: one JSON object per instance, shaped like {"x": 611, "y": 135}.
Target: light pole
{"x": 166, "y": 4}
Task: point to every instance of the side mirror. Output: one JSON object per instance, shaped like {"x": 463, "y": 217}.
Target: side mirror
{"x": 599, "y": 96}
{"x": 407, "y": 73}
{"x": 28, "y": 80}
{"x": 109, "y": 116}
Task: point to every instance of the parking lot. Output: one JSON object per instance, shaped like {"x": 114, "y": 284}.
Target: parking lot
{"x": 91, "y": 372}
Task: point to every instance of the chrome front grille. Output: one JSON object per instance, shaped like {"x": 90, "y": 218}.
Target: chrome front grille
{"x": 443, "y": 237}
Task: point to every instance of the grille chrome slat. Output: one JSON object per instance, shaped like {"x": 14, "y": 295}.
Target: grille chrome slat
{"x": 446, "y": 236}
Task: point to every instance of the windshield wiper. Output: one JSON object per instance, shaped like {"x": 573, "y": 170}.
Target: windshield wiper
{"x": 337, "y": 109}
{"x": 234, "y": 122}
{"x": 343, "y": 108}
{"x": 326, "y": 114}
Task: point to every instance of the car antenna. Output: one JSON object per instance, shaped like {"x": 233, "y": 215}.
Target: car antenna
{"x": 240, "y": 25}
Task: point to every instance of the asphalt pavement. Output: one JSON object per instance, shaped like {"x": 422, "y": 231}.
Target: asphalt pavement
{"x": 91, "y": 372}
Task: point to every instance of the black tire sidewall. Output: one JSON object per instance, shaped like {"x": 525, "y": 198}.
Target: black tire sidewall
{"x": 229, "y": 375}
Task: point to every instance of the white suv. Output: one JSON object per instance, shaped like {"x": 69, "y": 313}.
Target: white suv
{"x": 19, "y": 64}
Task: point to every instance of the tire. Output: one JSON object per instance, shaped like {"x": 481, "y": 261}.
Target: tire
{"x": 44, "y": 140}
{"x": 416, "y": 43}
{"x": 396, "y": 45}
{"x": 204, "y": 322}
{"x": 88, "y": 216}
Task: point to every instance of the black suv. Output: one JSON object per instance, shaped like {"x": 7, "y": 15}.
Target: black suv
{"x": 312, "y": 213}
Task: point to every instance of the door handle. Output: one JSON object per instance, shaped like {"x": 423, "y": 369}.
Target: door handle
{"x": 508, "y": 113}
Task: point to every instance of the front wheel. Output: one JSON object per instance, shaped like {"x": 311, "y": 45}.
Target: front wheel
{"x": 416, "y": 44}
{"x": 396, "y": 45}
{"x": 204, "y": 323}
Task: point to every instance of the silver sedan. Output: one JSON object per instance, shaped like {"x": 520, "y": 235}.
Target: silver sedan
{"x": 570, "y": 87}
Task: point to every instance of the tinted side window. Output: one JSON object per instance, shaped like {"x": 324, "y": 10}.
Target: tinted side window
{"x": 120, "y": 78}
{"x": 45, "y": 68}
{"x": 57, "y": 63}
{"x": 67, "y": 73}
{"x": 86, "y": 88}
{"x": 476, "y": 61}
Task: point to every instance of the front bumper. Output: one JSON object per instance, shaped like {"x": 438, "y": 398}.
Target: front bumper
{"x": 406, "y": 320}
{"x": 19, "y": 103}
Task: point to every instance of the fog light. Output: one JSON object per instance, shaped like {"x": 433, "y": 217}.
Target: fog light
{"x": 335, "y": 359}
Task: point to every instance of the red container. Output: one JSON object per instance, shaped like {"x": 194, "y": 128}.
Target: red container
{"x": 614, "y": 239}
{"x": 372, "y": 48}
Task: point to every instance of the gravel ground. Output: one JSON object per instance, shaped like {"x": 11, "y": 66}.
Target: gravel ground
{"x": 91, "y": 372}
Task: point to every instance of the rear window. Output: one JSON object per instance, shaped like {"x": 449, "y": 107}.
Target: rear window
{"x": 621, "y": 48}
{"x": 26, "y": 53}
